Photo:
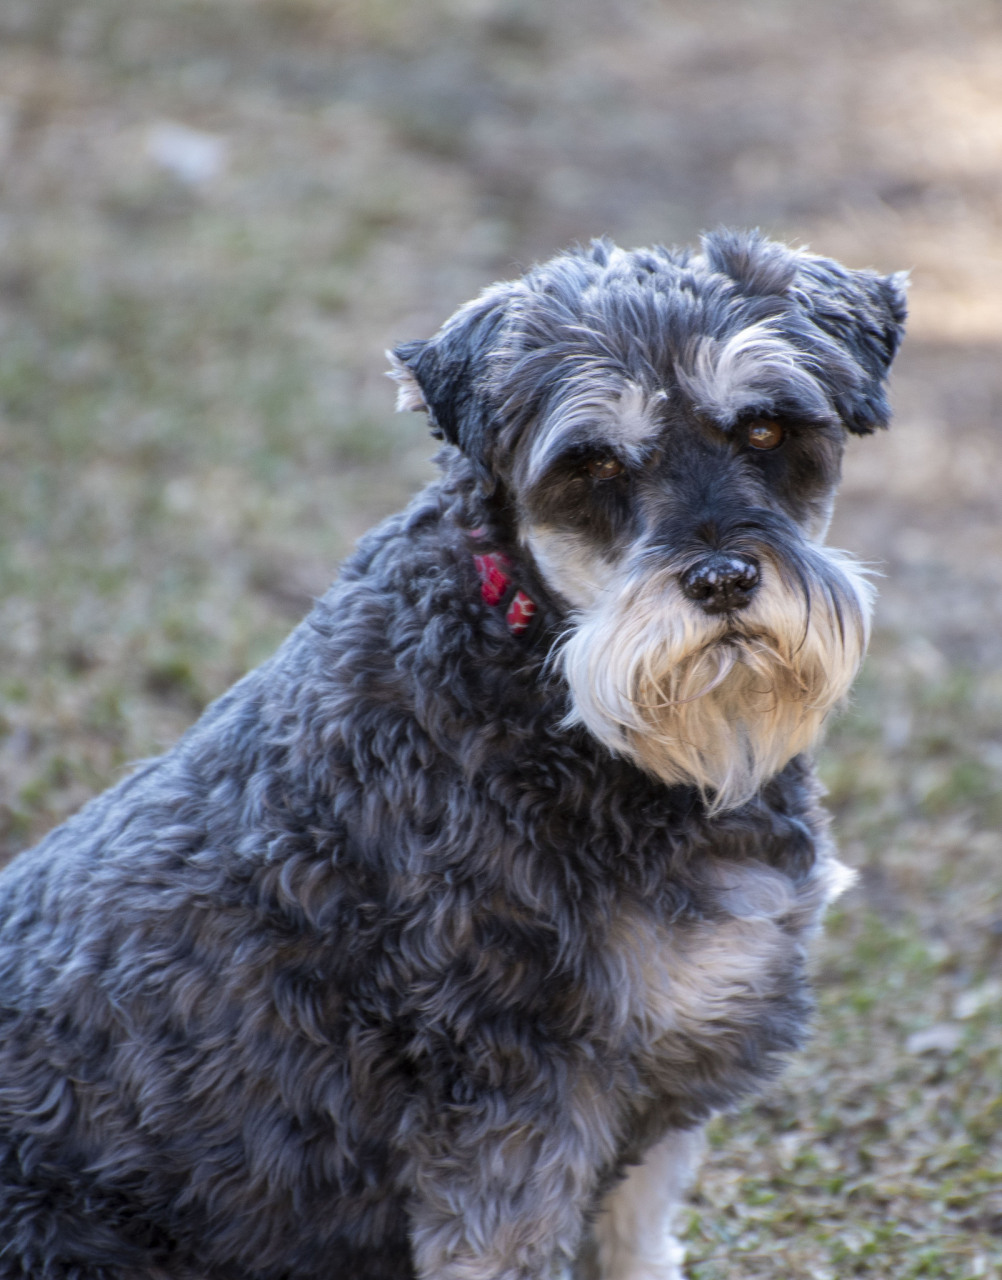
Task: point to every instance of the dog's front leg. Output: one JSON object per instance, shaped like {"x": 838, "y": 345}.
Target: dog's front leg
{"x": 634, "y": 1227}
{"x": 505, "y": 1200}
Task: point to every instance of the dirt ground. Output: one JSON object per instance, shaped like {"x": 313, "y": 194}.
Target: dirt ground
{"x": 215, "y": 215}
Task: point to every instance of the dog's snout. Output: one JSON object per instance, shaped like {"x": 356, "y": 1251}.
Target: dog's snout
{"x": 721, "y": 582}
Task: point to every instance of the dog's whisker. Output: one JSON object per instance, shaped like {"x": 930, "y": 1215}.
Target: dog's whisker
{"x": 725, "y": 659}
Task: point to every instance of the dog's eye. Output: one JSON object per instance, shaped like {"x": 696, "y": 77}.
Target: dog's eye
{"x": 604, "y": 468}
{"x": 763, "y": 433}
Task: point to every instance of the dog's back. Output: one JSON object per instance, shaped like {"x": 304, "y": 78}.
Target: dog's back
{"x": 176, "y": 989}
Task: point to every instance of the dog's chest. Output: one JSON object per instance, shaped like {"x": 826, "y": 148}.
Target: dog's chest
{"x": 681, "y": 989}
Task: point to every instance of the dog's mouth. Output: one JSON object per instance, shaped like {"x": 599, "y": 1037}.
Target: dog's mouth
{"x": 667, "y": 680}
{"x": 738, "y": 639}
{"x": 722, "y": 701}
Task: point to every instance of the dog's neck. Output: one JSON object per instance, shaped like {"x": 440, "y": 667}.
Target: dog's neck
{"x": 498, "y": 588}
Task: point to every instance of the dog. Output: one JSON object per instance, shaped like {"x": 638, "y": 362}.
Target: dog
{"x": 429, "y": 949}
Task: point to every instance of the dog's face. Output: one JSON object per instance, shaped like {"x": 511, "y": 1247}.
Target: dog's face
{"x": 667, "y": 432}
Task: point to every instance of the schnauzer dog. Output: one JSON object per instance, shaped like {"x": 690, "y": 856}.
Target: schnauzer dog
{"x": 429, "y": 949}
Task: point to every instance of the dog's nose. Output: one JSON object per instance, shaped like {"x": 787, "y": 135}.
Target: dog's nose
{"x": 721, "y": 582}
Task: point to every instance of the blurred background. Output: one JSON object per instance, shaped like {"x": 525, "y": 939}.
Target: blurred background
{"x": 215, "y": 215}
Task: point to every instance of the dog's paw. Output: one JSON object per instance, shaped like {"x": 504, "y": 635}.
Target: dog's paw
{"x": 642, "y": 1269}
{"x": 630, "y": 1266}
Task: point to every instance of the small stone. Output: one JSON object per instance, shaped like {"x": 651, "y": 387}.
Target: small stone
{"x": 970, "y": 1003}
{"x": 190, "y": 155}
{"x": 943, "y": 1037}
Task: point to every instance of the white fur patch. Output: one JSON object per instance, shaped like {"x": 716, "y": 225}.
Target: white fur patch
{"x": 568, "y": 568}
{"x": 707, "y": 699}
{"x": 821, "y": 521}
{"x": 633, "y": 1229}
{"x": 410, "y": 397}
{"x": 725, "y": 378}
{"x": 616, "y": 413}
{"x": 837, "y": 879}
{"x": 635, "y": 420}
{"x": 695, "y": 977}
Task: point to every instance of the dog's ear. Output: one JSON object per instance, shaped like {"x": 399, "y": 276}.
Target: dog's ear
{"x": 448, "y": 376}
{"x": 864, "y": 313}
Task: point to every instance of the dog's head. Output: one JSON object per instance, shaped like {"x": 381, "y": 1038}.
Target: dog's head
{"x": 666, "y": 429}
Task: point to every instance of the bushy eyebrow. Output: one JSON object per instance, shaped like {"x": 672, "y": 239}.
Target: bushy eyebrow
{"x": 618, "y": 415}
{"x": 755, "y": 369}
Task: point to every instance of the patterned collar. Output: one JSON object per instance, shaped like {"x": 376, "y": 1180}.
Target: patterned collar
{"x": 498, "y": 589}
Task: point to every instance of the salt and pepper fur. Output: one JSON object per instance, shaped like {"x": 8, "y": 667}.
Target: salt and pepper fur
{"x": 427, "y": 951}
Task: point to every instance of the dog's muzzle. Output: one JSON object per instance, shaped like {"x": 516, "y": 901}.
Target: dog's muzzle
{"x": 722, "y": 582}
{"x": 720, "y": 672}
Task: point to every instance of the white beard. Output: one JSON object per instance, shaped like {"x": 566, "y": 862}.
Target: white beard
{"x": 722, "y": 702}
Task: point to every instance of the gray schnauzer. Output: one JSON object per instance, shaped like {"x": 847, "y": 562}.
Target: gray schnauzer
{"x": 429, "y": 949}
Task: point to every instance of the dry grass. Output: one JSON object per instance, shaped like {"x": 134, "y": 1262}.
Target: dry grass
{"x": 194, "y": 427}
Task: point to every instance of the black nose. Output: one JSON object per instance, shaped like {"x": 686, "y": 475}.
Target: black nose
{"x": 721, "y": 582}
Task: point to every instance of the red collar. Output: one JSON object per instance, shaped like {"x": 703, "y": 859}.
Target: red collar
{"x": 494, "y": 571}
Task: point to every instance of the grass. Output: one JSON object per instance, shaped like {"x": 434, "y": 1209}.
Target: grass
{"x": 194, "y": 428}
